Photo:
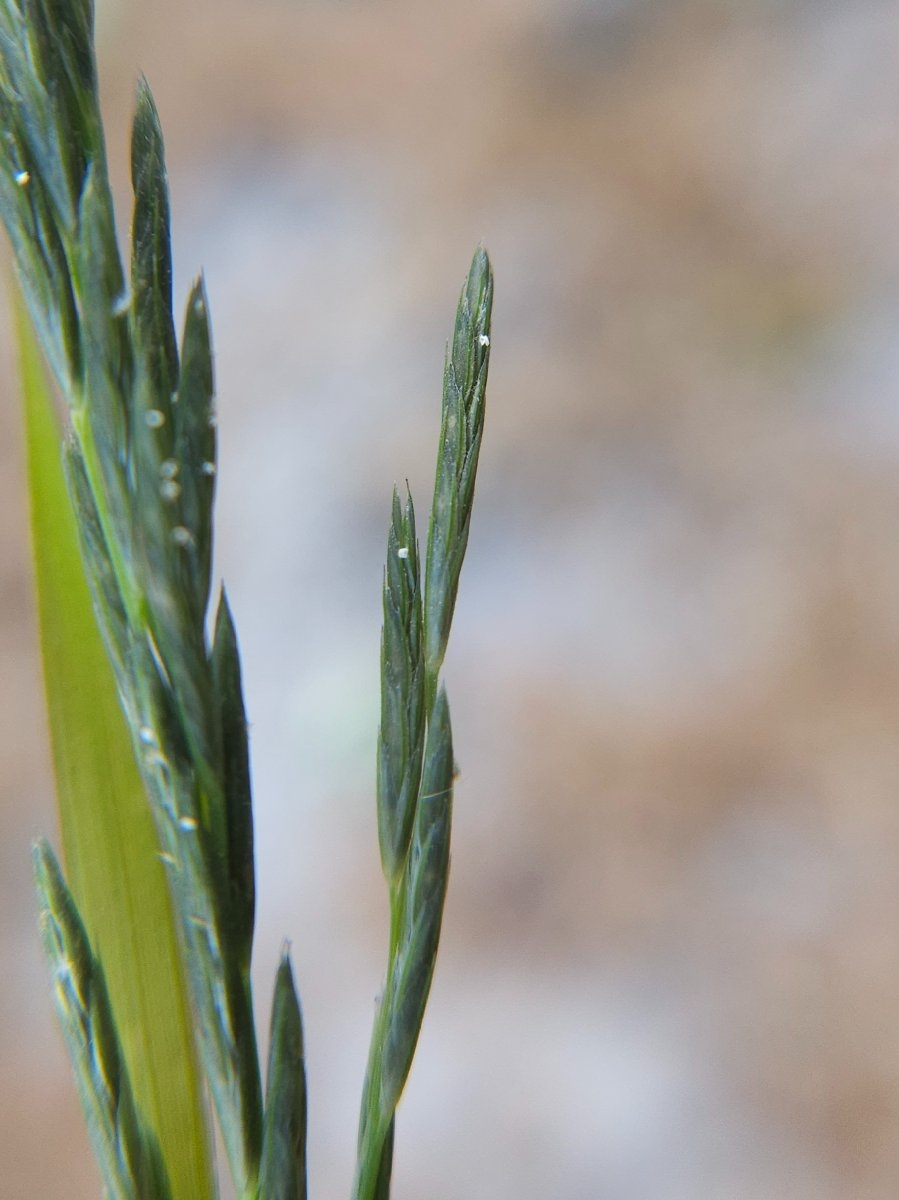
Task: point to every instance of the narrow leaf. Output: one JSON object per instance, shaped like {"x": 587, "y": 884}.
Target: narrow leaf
{"x": 401, "y": 735}
{"x": 283, "y": 1170}
{"x": 127, "y": 1153}
{"x": 427, "y": 872}
{"x": 461, "y": 428}
{"x": 238, "y": 798}
{"x": 108, "y": 835}
{"x": 151, "y": 255}
{"x": 382, "y": 1183}
{"x": 194, "y": 452}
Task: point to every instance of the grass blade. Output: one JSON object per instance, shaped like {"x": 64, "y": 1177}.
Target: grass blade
{"x": 282, "y": 1174}
{"x": 127, "y": 1152}
{"x": 108, "y": 836}
{"x": 462, "y": 425}
{"x": 402, "y": 732}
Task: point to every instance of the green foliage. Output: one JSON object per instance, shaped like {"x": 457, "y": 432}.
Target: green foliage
{"x": 283, "y": 1173}
{"x": 401, "y": 735}
{"x": 461, "y": 428}
{"x": 140, "y": 464}
{"x": 126, "y": 1150}
{"x": 107, "y": 828}
{"x": 415, "y": 744}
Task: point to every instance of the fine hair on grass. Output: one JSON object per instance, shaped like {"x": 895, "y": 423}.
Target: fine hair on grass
{"x": 149, "y": 929}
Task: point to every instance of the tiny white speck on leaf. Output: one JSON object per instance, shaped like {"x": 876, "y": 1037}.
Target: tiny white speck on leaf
{"x": 483, "y": 340}
{"x": 403, "y": 552}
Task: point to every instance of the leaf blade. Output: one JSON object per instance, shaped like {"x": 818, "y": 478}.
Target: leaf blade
{"x": 127, "y": 1154}
{"x": 108, "y": 836}
{"x": 282, "y": 1174}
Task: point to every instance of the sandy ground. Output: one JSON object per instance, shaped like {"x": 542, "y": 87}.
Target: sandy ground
{"x": 671, "y": 960}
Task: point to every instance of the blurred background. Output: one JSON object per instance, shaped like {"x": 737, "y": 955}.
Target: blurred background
{"x": 671, "y": 954}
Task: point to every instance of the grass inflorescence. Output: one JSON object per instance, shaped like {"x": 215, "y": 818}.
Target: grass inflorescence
{"x": 140, "y": 465}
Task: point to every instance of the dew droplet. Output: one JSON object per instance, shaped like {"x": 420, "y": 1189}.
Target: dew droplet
{"x": 208, "y": 468}
{"x": 155, "y": 418}
{"x": 182, "y": 536}
{"x": 169, "y": 468}
{"x": 188, "y": 824}
{"x": 170, "y": 490}
{"x": 147, "y": 735}
{"x": 22, "y": 178}
{"x": 168, "y": 859}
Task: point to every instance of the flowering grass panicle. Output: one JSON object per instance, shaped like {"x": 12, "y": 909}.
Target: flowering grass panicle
{"x": 140, "y": 468}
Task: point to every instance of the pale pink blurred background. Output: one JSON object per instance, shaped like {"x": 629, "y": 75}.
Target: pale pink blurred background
{"x": 671, "y": 959}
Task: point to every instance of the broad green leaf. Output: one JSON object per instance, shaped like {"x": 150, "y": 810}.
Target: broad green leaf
{"x": 108, "y": 837}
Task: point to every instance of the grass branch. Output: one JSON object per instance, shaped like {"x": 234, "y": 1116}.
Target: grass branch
{"x": 140, "y": 468}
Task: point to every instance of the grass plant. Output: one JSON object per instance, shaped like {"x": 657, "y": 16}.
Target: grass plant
{"x": 149, "y": 931}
